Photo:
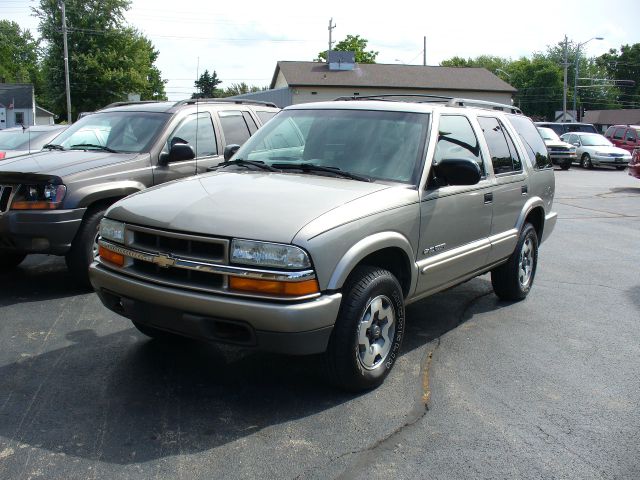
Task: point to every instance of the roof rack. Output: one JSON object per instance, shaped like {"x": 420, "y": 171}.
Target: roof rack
{"x": 238, "y": 101}
{"x": 463, "y": 102}
{"x": 390, "y": 96}
{"x": 122, "y": 104}
{"x": 425, "y": 98}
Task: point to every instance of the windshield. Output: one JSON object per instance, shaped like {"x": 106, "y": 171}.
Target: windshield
{"x": 375, "y": 144}
{"x": 595, "y": 141}
{"x": 26, "y": 139}
{"x": 125, "y": 132}
{"x": 548, "y": 134}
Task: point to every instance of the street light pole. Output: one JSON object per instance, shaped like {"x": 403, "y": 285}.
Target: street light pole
{"x": 575, "y": 80}
{"x": 564, "y": 88}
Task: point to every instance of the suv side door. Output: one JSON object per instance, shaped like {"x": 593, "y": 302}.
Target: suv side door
{"x": 510, "y": 186}
{"x": 455, "y": 221}
{"x": 196, "y": 130}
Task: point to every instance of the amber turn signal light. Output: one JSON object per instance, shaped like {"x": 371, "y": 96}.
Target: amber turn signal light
{"x": 271, "y": 287}
{"x": 111, "y": 257}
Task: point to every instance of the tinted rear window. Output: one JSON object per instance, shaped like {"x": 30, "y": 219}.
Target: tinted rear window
{"x": 533, "y": 143}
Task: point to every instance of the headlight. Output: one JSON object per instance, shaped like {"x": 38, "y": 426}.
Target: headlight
{"x": 263, "y": 254}
{"x": 112, "y": 230}
{"x": 39, "y": 197}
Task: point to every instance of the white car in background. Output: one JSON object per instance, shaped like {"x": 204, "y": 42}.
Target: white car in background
{"x": 595, "y": 150}
{"x": 562, "y": 153}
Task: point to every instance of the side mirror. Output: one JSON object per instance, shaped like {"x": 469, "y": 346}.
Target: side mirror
{"x": 577, "y": 144}
{"x": 458, "y": 171}
{"x": 230, "y": 150}
{"x": 179, "y": 153}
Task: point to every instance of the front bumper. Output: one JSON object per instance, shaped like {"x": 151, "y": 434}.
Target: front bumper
{"x": 39, "y": 231}
{"x": 610, "y": 161}
{"x": 294, "y": 328}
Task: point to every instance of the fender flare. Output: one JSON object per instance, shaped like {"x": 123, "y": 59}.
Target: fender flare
{"x": 94, "y": 193}
{"x": 367, "y": 246}
{"x": 533, "y": 202}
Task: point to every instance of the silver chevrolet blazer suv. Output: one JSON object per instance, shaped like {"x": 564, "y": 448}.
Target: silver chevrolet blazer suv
{"x": 315, "y": 234}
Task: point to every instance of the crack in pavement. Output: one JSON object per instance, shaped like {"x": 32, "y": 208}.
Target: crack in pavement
{"x": 550, "y": 282}
{"x": 614, "y": 215}
{"x": 420, "y": 407}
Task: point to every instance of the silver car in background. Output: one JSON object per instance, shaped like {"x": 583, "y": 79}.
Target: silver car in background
{"x": 17, "y": 141}
{"x": 594, "y": 149}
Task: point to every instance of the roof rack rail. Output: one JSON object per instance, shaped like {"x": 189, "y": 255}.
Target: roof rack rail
{"x": 238, "y": 101}
{"x": 424, "y": 98}
{"x": 399, "y": 96}
{"x": 464, "y": 102}
{"x": 121, "y": 104}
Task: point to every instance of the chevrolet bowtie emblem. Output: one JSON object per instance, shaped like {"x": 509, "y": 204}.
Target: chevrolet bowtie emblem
{"x": 164, "y": 261}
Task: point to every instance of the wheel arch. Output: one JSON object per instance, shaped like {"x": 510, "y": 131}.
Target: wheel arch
{"x": 533, "y": 213}
{"x": 389, "y": 250}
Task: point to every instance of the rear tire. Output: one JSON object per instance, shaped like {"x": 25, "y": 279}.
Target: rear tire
{"x": 368, "y": 333}
{"x": 10, "y": 260}
{"x": 84, "y": 248}
{"x": 513, "y": 280}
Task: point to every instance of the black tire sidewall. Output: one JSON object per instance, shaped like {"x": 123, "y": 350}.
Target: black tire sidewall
{"x": 80, "y": 255}
{"x": 366, "y": 284}
{"x": 527, "y": 232}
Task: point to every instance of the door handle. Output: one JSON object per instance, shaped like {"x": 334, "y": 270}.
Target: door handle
{"x": 488, "y": 197}
{"x": 525, "y": 189}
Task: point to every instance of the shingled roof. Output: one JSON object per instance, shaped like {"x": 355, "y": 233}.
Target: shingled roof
{"x": 18, "y": 94}
{"x": 629, "y": 116}
{"x": 299, "y": 74}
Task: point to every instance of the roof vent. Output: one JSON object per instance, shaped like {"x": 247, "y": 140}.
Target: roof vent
{"x": 342, "y": 60}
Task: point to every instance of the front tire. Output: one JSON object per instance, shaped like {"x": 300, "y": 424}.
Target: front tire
{"x": 367, "y": 336}
{"x": 620, "y": 167}
{"x": 513, "y": 280}
{"x": 84, "y": 248}
{"x": 586, "y": 161}
{"x": 10, "y": 260}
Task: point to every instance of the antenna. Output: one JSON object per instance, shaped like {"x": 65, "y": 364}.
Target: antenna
{"x": 197, "y": 111}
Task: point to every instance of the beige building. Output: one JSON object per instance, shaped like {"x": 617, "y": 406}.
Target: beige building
{"x": 303, "y": 82}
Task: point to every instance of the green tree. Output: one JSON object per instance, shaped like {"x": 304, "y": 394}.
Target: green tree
{"x": 352, "y": 43}
{"x": 241, "y": 88}
{"x": 18, "y": 55}
{"x": 207, "y": 86}
{"x": 491, "y": 63}
{"x": 107, "y": 59}
{"x": 624, "y": 66}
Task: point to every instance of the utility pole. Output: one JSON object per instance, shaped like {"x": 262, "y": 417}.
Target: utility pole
{"x": 564, "y": 90}
{"x": 424, "y": 52}
{"x": 331, "y": 27}
{"x": 66, "y": 61}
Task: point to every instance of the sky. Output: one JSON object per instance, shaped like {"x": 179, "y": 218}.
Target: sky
{"x": 243, "y": 40}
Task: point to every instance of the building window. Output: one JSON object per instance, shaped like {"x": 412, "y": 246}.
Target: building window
{"x": 19, "y": 118}
{"x": 314, "y": 93}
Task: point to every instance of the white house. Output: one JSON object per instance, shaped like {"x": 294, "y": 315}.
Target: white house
{"x": 17, "y": 105}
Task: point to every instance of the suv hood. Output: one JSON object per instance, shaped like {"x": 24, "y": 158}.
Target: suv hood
{"x": 61, "y": 163}
{"x": 253, "y": 205}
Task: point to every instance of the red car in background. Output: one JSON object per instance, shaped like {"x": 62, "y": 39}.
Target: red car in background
{"x": 624, "y": 136}
{"x": 634, "y": 164}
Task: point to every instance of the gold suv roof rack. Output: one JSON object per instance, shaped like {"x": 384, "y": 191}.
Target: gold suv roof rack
{"x": 237, "y": 101}
{"x": 425, "y": 98}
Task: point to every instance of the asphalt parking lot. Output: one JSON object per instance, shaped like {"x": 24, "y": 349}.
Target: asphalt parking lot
{"x": 545, "y": 388}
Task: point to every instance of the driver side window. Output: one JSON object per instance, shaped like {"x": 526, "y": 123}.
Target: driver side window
{"x": 456, "y": 139}
{"x": 197, "y": 131}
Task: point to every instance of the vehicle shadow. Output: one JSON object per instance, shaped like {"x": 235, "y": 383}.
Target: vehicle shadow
{"x": 38, "y": 278}
{"x": 123, "y": 399}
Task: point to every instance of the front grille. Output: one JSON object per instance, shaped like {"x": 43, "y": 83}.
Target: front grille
{"x": 174, "y": 244}
{"x": 194, "y": 247}
{"x": 559, "y": 149}
{"x": 5, "y": 197}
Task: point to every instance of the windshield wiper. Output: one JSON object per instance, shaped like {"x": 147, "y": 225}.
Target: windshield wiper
{"x": 243, "y": 163}
{"x": 92, "y": 145}
{"x": 312, "y": 167}
{"x": 53, "y": 146}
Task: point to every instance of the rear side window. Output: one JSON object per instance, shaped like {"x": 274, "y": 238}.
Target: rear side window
{"x": 533, "y": 143}
{"x": 609, "y": 132}
{"x": 234, "y": 127}
{"x": 265, "y": 116}
{"x": 503, "y": 152}
{"x": 456, "y": 139}
{"x": 619, "y": 133}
